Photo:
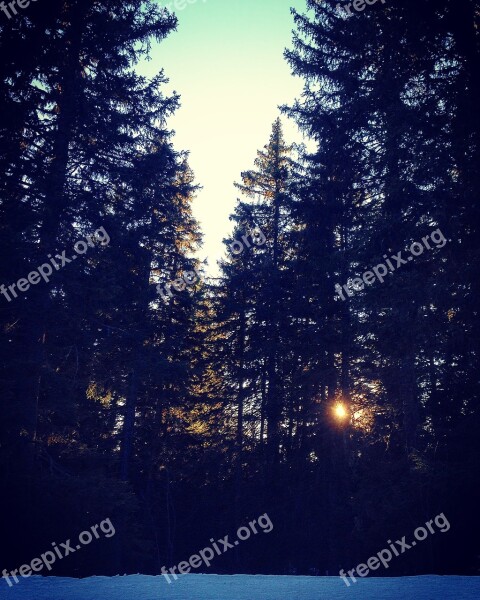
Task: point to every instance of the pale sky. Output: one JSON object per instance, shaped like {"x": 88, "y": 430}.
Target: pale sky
{"x": 226, "y": 61}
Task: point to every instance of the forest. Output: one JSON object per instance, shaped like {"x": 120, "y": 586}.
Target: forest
{"x": 139, "y": 386}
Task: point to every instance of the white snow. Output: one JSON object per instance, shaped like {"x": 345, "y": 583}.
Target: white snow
{"x": 242, "y": 587}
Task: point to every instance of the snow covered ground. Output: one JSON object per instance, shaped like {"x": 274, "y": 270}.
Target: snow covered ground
{"x": 242, "y": 587}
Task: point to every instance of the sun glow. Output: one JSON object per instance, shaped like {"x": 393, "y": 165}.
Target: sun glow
{"x": 340, "y": 411}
